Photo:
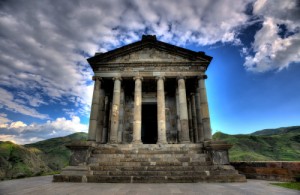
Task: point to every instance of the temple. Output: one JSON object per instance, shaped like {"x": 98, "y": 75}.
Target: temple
{"x": 149, "y": 119}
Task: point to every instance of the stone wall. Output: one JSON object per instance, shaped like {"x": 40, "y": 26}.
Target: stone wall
{"x": 272, "y": 170}
{"x": 126, "y": 117}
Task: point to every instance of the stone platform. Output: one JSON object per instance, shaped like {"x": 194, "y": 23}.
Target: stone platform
{"x": 145, "y": 163}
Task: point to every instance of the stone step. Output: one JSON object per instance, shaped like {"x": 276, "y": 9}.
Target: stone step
{"x": 97, "y": 155}
{"x": 164, "y": 179}
{"x": 149, "y": 173}
{"x": 153, "y": 159}
{"x": 149, "y": 149}
{"x": 149, "y": 179}
{"x": 145, "y": 179}
{"x": 140, "y": 164}
{"x": 145, "y": 152}
{"x": 150, "y": 168}
{"x": 224, "y": 172}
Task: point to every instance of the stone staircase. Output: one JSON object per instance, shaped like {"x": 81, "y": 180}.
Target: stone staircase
{"x": 149, "y": 163}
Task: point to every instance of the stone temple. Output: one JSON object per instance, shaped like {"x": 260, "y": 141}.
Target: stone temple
{"x": 149, "y": 120}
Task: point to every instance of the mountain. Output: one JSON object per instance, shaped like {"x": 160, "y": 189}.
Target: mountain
{"x": 54, "y": 152}
{"x": 282, "y": 144}
{"x": 17, "y": 161}
{"x": 39, "y": 158}
{"x": 48, "y": 156}
{"x": 282, "y": 130}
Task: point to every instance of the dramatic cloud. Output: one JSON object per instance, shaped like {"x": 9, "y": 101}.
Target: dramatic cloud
{"x": 8, "y": 102}
{"x": 4, "y": 120}
{"x": 277, "y": 43}
{"x": 21, "y": 133}
{"x": 44, "y": 44}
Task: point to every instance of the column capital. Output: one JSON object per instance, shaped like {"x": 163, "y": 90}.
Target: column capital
{"x": 160, "y": 77}
{"x": 117, "y": 78}
{"x": 180, "y": 77}
{"x": 192, "y": 94}
{"x": 97, "y": 78}
{"x": 138, "y": 77}
{"x": 202, "y": 77}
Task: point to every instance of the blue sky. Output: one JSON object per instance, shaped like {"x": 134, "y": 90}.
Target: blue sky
{"x": 45, "y": 81}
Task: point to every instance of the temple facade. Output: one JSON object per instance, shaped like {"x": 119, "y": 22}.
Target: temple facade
{"x": 149, "y": 92}
{"x": 149, "y": 119}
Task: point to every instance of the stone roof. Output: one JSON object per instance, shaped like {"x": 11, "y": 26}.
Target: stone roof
{"x": 149, "y": 41}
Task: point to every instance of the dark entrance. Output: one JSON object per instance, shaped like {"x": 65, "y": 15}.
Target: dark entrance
{"x": 149, "y": 123}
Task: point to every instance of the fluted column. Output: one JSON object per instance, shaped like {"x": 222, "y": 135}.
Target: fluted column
{"x": 99, "y": 129}
{"x": 178, "y": 116}
{"x": 114, "y": 123}
{"x": 191, "y": 127}
{"x": 204, "y": 109}
{"x": 105, "y": 120}
{"x": 200, "y": 131}
{"x": 194, "y": 118}
{"x": 161, "y": 116}
{"x": 183, "y": 111}
{"x": 137, "y": 115}
{"x": 94, "y": 109}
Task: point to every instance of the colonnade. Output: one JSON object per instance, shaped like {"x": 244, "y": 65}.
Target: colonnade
{"x": 193, "y": 115}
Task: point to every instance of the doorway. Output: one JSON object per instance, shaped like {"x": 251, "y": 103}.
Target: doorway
{"x": 149, "y": 123}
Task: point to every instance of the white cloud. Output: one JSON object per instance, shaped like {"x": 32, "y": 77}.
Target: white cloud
{"x": 4, "y": 120}
{"x": 8, "y": 102}
{"x": 21, "y": 133}
{"x": 275, "y": 49}
{"x": 42, "y": 42}
{"x": 17, "y": 124}
{"x": 45, "y": 60}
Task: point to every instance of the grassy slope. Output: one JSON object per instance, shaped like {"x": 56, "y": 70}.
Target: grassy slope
{"x": 54, "y": 152}
{"x": 17, "y": 161}
{"x": 281, "y": 144}
{"x": 51, "y": 155}
{"x": 35, "y": 159}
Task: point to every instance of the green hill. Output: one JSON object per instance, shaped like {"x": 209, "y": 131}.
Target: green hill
{"x": 17, "y": 161}
{"x": 44, "y": 157}
{"x": 35, "y": 159}
{"x": 282, "y": 144}
{"x": 282, "y": 130}
{"x": 54, "y": 152}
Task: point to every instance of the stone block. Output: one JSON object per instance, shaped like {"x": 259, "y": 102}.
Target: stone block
{"x": 127, "y": 163}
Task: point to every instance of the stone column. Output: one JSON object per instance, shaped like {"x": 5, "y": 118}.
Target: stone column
{"x": 204, "y": 108}
{"x": 178, "y": 116}
{"x": 99, "y": 129}
{"x": 137, "y": 115}
{"x": 194, "y": 118}
{"x": 105, "y": 120}
{"x": 161, "y": 116}
{"x": 121, "y": 117}
{"x": 183, "y": 111}
{"x": 94, "y": 109}
{"x": 114, "y": 123}
{"x": 191, "y": 133}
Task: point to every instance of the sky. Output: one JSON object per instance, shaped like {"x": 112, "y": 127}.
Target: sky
{"x": 45, "y": 81}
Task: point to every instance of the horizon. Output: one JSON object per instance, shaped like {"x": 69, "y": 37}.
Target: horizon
{"x": 87, "y": 134}
{"x": 46, "y": 83}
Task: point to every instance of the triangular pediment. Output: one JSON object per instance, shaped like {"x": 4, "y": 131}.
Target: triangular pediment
{"x": 149, "y": 50}
{"x": 149, "y": 55}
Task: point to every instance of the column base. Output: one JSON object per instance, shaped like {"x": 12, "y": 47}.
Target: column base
{"x": 218, "y": 151}
{"x": 185, "y": 142}
{"x": 137, "y": 142}
{"x": 161, "y": 142}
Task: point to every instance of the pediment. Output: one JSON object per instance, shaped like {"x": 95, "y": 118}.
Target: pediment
{"x": 149, "y": 50}
{"x": 149, "y": 55}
